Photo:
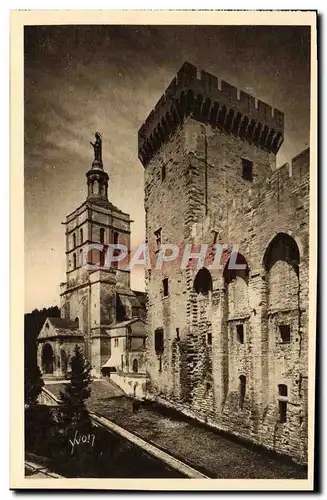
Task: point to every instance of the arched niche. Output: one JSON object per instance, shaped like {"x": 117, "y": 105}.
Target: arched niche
{"x": 203, "y": 282}
{"x": 236, "y": 280}
{"x": 281, "y": 262}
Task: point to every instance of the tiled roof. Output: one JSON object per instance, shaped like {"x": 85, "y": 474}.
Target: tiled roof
{"x": 61, "y": 328}
{"x": 63, "y": 323}
{"x": 141, "y": 297}
{"x": 125, "y": 323}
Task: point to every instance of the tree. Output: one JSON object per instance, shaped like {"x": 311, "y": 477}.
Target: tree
{"x": 76, "y": 393}
{"x": 33, "y": 384}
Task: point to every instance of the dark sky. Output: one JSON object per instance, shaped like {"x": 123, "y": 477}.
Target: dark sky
{"x": 108, "y": 78}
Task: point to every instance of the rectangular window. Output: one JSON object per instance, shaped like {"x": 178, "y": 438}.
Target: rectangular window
{"x": 157, "y": 235}
{"x": 282, "y": 390}
{"x": 165, "y": 287}
{"x": 247, "y": 170}
{"x": 285, "y": 333}
{"x": 159, "y": 340}
{"x": 177, "y": 333}
{"x": 163, "y": 173}
{"x": 240, "y": 333}
{"x": 160, "y": 364}
{"x": 209, "y": 338}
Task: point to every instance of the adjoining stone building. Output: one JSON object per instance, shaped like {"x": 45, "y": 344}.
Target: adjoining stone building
{"x": 228, "y": 347}
{"x": 94, "y": 300}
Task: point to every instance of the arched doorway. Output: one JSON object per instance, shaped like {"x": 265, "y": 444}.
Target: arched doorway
{"x": 47, "y": 359}
{"x": 135, "y": 366}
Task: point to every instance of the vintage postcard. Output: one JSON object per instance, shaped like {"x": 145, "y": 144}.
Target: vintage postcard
{"x": 164, "y": 239}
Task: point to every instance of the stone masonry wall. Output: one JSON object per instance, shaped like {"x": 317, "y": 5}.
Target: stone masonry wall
{"x": 204, "y": 199}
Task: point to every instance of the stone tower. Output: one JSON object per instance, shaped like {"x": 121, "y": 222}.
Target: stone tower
{"x": 96, "y": 297}
{"x": 227, "y": 346}
{"x": 201, "y": 146}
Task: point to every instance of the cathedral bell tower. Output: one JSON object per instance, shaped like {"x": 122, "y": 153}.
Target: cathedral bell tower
{"x": 97, "y": 178}
{"x": 96, "y": 297}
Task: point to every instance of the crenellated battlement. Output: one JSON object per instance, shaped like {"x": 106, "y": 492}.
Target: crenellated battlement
{"x": 235, "y": 112}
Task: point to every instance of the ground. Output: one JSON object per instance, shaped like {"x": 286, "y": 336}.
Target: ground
{"x": 206, "y": 450}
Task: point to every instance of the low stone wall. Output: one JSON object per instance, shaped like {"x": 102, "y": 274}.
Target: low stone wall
{"x": 132, "y": 384}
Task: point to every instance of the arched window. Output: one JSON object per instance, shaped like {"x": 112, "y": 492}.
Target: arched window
{"x": 116, "y": 238}
{"x": 242, "y": 389}
{"x": 74, "y": 240}
{"x": 74, "y": 261}
{"x": 135, "y": 366}
{"x": 203, "y": 282}
{"x": 102, "y": 235}
{"x": 81, "y": 235}
{"x": 81, "y": 257}
{"x": 77, "y": 321}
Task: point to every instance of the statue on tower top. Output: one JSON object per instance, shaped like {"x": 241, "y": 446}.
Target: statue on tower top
{"x": 97, "y": 146}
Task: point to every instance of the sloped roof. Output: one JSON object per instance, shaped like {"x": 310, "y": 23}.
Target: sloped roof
{"x": 125, "y": 324}
{"x": 141, "y": 297}
{"x": 63, "y": 323}
{"x": 59, "y": 327}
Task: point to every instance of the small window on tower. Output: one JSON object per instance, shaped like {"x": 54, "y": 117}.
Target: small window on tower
{"x": 282, "y": 390}
{"x": 102, "y": 235}
{"x": 157, "y": 235}
{"x": 247, "y": 169}
{"x": 74, "y": 261}
{"x": 240, "y": 333}
{"x": 116, "y": 238}
{"x": 74, "y": 240}
{"x": 285, "y": 333}
{"x": 159, "y": 340}
{"x": 165, "y": 287}
{"x": 81, "y": 235}
{"x": 209, "y": 338}
{"x": 163, "y": 172}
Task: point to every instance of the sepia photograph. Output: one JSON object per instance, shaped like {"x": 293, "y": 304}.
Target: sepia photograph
{"x": 166, "y": 175}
